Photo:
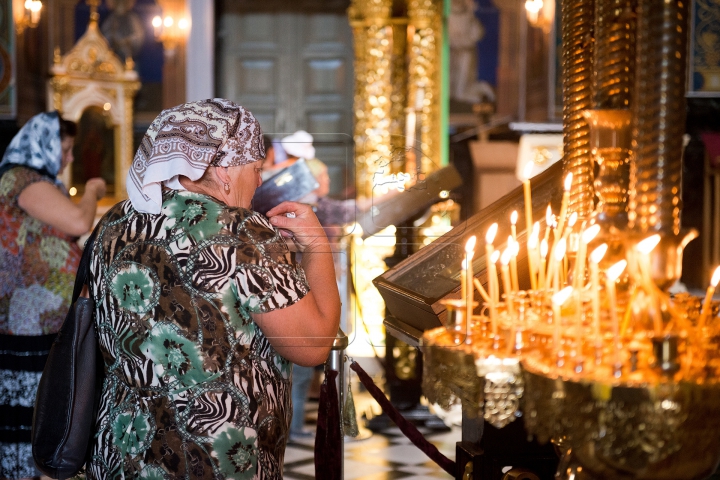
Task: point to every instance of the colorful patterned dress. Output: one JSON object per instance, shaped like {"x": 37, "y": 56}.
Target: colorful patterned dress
{"x": 37, "y": 271}
{"x": 193, "y": 388}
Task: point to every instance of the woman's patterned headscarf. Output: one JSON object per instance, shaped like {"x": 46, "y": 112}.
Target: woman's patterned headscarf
{"x": 185, "y": 141}
{"x": 37, "y": 145}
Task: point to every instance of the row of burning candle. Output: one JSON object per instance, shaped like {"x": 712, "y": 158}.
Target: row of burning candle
{"x": 550, "y": 274}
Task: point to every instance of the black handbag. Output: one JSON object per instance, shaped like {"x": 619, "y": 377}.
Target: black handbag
{"x": 68, "y": 393}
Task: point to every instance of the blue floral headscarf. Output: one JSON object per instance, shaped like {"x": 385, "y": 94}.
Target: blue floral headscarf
{"x": 37, "y": 145}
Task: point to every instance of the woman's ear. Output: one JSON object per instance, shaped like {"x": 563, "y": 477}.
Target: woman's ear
{"x": 222, "y": 175}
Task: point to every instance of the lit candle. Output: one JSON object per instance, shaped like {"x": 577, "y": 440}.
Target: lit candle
{"x": 612, "y": 275}
{"x": 493, "y": 275}
{"x": 543, "y": 262}
{"x": 489, "y": 238}
{"x": 571, "y": 223}
{"x": 706, "y": 308}
{"x": 558, "y": 299}
{"x": 470, "y": 298}
{"x": 564, "y": 204}
{"x": 644, "y": 248}
{"x": 513, "y": 263}
{"x": 527, "y": 173}
{"x": 505, "y": 260}
{"x": 463, "y": 280}
{"x": 587, "y": 236}
{"x": 548, "y": 222}
{"x": 595, "y": 257}
{"x": 533, "y": 259}
{"x": 558, "y": 255}
{"x": 513, "y": 259}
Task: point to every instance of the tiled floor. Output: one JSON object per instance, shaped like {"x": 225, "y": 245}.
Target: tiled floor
{"x": 383, "y": 456}
{"x": 387, "y": 455}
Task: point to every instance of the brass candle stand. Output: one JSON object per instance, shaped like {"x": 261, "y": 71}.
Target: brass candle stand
{"x": 622, "y": 377}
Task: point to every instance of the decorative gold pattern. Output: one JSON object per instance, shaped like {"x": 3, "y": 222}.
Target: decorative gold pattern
{"x": 577, "y": 31}
{"x": 92, "y": 75}
{"x": 386, "y": 86}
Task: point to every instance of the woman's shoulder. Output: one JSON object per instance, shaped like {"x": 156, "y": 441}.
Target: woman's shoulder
{"x": 16, "y": 179}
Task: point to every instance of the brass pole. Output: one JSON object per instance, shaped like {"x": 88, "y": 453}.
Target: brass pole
{"x": 659, "y": 115}
{"x": 577, "y": 64}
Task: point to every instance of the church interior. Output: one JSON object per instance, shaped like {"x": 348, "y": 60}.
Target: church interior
{"x": 529, "y": 274}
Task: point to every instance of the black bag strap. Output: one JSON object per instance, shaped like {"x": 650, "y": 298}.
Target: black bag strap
{"x": 83, "y": 272}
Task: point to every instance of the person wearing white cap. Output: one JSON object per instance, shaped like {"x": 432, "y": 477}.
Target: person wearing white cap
{"x": 299, "y": 145}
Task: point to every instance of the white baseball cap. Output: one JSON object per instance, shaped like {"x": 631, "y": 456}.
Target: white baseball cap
{"x": 299, "y": 144}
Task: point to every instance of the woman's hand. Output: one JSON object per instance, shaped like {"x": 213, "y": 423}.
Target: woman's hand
{"x": 304, "y": 228}
{"x": 98, "y": 185}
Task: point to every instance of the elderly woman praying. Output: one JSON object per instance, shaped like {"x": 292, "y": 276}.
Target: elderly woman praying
{"x": 199, "y": 307}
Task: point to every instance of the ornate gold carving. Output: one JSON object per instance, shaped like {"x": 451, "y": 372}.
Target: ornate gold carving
{"x": 92, "y": 75}
{"x": 424, "y": 13}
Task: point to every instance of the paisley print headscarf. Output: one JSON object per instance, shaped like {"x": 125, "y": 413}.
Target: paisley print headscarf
{"x": 37, "y": 145}
{"x": 185, "y": 141}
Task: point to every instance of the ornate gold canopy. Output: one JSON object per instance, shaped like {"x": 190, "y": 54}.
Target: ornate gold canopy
{"x": 397, "y": 89}
{"x": 91, "y": 75}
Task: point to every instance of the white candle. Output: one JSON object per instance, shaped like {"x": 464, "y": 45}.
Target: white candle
{"x": 612, "y": 275}
{"x": 463, "y": 279}
{"x": 505, "y": 260}
{"x": 558, "y": 255}
{"x": 558, "y": 299}
{"x": 470, "y": 298}
{"x": 513, "y": 259}
{"x": 706, "y": 308}
{"x": 489, "y": 250}
{"x": 595, "y": 257}
{"x": 564, "y": 204}
{"x": 493, "y": 275}
{"x": 543, "y": 262}
{"x": 587, "y": 236}
{"x": 533, "y": 258}
{"x": 644, "y": 248}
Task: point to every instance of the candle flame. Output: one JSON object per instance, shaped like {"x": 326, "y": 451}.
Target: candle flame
{"x": 598, "y": 253}
{"x": 506, "y": 255}
{"x": 464, "y": 264}
{"x": 716, "y": 277}
{"x": 646, "y": 246}
{"x": 495, "y": 256}
{"x": 568, "y": 181}
{"x": 573, "y": 219}
{"x": 490, "y": 235}
{"x": 614, "y": 272}
{"x": 548, "y": 215}
{"x": 515, "y": 247}
{"x": 562, "y": 296}
{"x": 514, "y": 217}
{"x": 543, "y": 248}
{"x": 534, "y": 236}
{"x": 560, "y": 249}
{"x": 470, "y": 245}
{"x": 553, "y": 222}
{"x": 590, "y": 233}
{"x": 527, "y": 172}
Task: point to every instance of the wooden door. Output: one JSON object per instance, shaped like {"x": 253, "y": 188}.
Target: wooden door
{"x": 293, "y": 70}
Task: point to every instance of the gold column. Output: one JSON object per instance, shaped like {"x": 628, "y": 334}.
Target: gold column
{"x": 424, "y": 42}
{"x": 370, "y": 20}
{"x": 577, "y": 65}
{"x": 399, "y": 98}
{"x": 659, "y": 115}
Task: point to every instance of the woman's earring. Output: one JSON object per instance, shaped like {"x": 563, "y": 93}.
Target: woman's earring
{"x": 227, "y": 188}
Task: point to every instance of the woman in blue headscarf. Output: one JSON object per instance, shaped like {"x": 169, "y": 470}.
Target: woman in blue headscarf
{"x": 39, "y": 256}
